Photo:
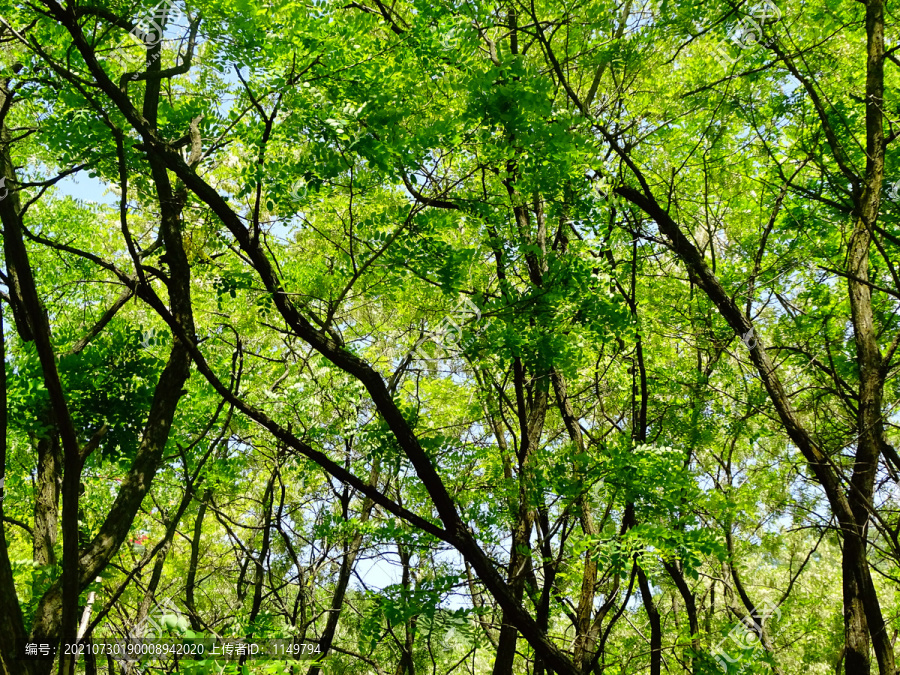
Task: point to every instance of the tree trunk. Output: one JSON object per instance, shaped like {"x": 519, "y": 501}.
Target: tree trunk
{"x": 861, "y": 606}
{"x": 531, "y": 411}
{"x": 690, "y": 608}
{"x": 406, "y": 665}
{"x": 518, "y": 558}
{"x": 191, "y": 582}
{"x": 655, "y": 623}
{"x": 46, "y": 498}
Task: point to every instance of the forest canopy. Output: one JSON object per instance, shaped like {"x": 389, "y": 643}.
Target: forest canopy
{"x": 450, "y": 337}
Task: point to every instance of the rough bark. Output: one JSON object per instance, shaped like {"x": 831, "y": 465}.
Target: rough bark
{"x": 531, "y": 407}
{"x": 19, "y": 267}
{"x": 520, "y": 551}
{"x": 46, "y": 498}
{"x": 859, "y": 591}
{"x": 818, "y": 461}
{"x": 262, "y": 556}
{"x": 406, "y": 665}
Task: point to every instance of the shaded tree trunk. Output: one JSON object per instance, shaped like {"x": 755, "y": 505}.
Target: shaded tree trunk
{"x": 531, "y": 408}
{"x": 12, "y": 623}
{"x": 259, "y": 563}
{"x": 655, "y": 623}
{"x": 46, "y": 498}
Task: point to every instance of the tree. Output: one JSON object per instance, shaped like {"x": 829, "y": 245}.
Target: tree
{"x": 579, "y": 316}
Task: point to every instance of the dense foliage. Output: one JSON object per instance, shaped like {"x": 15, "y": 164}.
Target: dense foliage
{"x": 522, "y": 337}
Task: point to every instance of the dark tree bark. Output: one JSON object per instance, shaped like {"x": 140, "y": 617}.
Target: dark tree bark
{"x": 541, "y": 596}
{"x": 864, "y": 620}
{"x": 504, "y": 659}
{"x": 19, "y": 267}
{"x": 859, "y": 590}
{"x": 46, "y": 498}
{"x": 655, "y": 623}
{"x": 407, "y": 664}
{"x": 260, "y": 562}
{"x": 690, "y": 608}
{"x": 531, "y": 408}
{"x": 819, "y": 462}
{"x": 639, "y": 403}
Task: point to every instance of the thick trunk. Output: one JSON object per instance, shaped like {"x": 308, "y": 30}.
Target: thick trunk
{"x": 407, "y": 664}
{"x": 57, "y": 613}
{"x": 818, "y": 461}
{"x": 862, "y": 612}
{"x": 19, "y": 268}
{"x": 504, "y": 657}
{"x": 856, "y": 631}
{"x": 861, "y": 606}
{"x": 46, "y": 499}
